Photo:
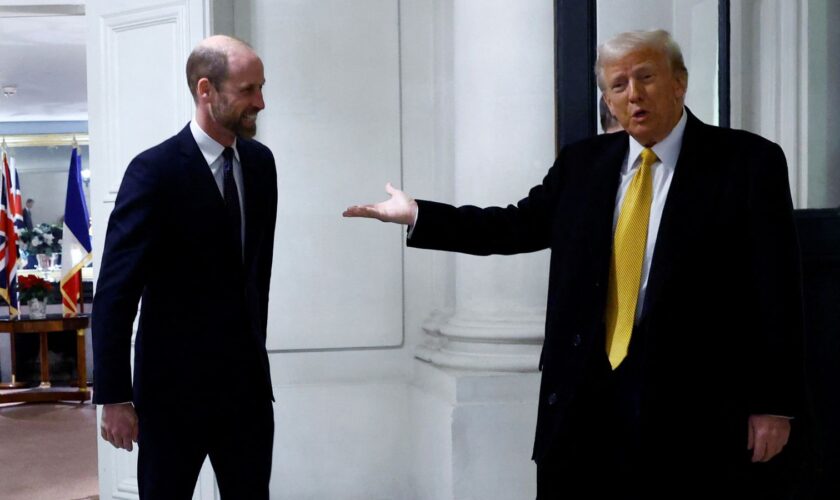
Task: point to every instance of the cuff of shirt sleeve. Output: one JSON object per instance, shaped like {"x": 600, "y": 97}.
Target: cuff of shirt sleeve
{"x": 412, "y": 226}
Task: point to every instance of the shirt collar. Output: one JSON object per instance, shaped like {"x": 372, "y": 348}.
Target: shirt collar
{"x": 667, "y": 150}
{"x": 210, "y": 149}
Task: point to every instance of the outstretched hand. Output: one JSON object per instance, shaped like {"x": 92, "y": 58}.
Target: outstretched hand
{"x": 400, "y": 208}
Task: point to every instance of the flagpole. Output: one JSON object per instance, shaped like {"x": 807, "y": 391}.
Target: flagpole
{"x": 79, "y": 275}
{"x": 81, "y": 293}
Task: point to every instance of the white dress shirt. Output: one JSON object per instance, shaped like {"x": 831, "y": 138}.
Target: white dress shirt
{"x": 212, "y": 152}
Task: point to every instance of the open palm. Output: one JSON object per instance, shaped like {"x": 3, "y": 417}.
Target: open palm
{"x": 399, "y": 208}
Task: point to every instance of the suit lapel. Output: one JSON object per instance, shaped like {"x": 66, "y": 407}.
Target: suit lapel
{"x": 251, "y": 196}
{"x": 198, "y": 172}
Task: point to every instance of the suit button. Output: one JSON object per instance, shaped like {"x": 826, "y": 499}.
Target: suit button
{"x": 576, "y": 340}
{"x": 552, "y": 399}
{"x": 597, "y": 284}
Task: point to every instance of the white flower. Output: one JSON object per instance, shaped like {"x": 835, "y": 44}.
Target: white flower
{"x": 36, "y": 242}
{"x": 48, "y": 238}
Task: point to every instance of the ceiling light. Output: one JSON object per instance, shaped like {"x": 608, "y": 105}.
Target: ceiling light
{"x": 9, "y": 90}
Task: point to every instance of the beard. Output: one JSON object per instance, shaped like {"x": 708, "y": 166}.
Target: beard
{"x": 239, "y": 123}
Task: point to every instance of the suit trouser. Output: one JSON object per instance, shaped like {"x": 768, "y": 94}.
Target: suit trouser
{"x": 173, "y": 443}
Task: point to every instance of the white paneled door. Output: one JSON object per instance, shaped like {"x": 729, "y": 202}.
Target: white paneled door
{"x": 137, "y": 97}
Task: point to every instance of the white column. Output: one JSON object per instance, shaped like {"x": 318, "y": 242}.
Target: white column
{"x": 474, "y": 394}
{"x": 498, "y": 76}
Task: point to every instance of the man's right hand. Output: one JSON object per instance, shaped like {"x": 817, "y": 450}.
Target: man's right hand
{"x": 119, "y": 425}
{"x": 399, "y": 208}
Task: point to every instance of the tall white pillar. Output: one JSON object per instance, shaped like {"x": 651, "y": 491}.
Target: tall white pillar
{"x": 475, "y": 390}
{"x": 499, "y": 60}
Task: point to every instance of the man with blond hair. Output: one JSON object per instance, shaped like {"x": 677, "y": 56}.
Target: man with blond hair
{"x": 672, "y": 361}
{"x": 201, "y": 385}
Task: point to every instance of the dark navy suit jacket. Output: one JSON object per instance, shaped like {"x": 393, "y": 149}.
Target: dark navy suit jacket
{"x": 721, "y": 326}
{"x": 203, "y": 313}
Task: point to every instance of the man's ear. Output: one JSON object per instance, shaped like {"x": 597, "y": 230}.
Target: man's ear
{"x": 681, "y": 85}
{"x": 203, "y": 88}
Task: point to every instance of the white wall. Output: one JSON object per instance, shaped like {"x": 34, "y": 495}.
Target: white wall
{"x": 333, "y": 122}
{"x": 349, "y": 106}
{"x": 351, "y": 423}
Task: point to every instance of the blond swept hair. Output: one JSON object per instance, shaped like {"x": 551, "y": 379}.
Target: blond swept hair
{"x": 631, "y": 41}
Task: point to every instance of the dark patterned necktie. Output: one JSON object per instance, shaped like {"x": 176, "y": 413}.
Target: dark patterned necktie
{"x": 234, "y": 214}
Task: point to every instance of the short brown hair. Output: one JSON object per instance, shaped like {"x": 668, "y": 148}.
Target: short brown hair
{"x": 206, "y": 62}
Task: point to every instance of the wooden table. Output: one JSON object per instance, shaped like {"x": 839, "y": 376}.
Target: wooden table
{"x": 41, "y": 327}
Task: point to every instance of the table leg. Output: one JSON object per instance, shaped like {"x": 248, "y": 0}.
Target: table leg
{"x": 45, "y": 361}
{"x": 14, "y": 384}
{"x": 81, "y": 365}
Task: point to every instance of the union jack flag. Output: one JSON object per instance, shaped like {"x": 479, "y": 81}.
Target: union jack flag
{"x": 17, "y": 208}
{"x": 8, "y": 241}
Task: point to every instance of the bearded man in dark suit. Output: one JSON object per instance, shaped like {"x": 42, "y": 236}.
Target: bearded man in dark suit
{"x": 202, "y": 329}
{"x": 672, "y": 361}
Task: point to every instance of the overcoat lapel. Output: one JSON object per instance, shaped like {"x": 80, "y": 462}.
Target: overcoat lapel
{"x": 682, "y": 213}
{"x": 605, "y": 181}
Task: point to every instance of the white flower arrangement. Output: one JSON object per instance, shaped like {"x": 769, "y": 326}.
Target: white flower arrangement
{"x": 42, "y": 239}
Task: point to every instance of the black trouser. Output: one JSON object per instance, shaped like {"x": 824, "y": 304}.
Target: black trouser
{"x": 173, "y": 443}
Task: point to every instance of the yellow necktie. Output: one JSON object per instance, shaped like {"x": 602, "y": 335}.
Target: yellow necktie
{"x": 628, "y": 254}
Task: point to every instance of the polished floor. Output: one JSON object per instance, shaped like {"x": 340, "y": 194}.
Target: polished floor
{"x": 48, "y": 451}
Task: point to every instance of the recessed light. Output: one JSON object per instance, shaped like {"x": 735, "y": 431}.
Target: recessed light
{"x": 9, "y": 90}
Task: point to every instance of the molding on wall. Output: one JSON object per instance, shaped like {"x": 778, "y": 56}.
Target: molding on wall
{"x": 112, "y": 29}
{"x": 126, "y": 489}
{"x": 468, "y": 340}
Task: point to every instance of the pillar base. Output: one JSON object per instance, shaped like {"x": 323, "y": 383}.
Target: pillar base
{"x": 473, "y": 433}
{"x": 484, "y": 342}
